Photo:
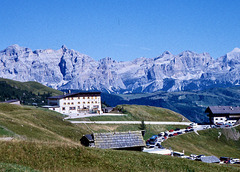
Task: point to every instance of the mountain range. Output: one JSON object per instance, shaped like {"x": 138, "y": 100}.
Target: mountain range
{"x": 68, "y": 69}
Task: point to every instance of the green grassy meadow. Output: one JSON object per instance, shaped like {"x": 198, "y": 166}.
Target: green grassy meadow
{"x": 207, "y": 142}
{"x": 43, "y": 141}
{"x": 34, "y": 87}
{"x": 139, "y": 113}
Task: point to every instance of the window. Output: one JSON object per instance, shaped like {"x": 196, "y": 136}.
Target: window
{"x": 78, "y": 97}
{"x": 72, "y": 108}
{"x": 83, "y": 97}
{"x": 216, "y": 118}
{"x": 95, "y": 101}
{"x": 72, "y": 103}
{"x": 64, "y": 103}
{"x": 83, "y": 102}
{"x": 88, "y": 102}
{"x": 63, "y": 108}
{"x": 78, "y": 102}
{"x": 72, "y": 98}
{"x": 221, "y": 119}
{"x": 68, "y": 103}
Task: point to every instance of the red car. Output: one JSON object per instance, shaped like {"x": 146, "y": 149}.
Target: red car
{"x": 171, "y": 130}
{"x": 175, "y": 134}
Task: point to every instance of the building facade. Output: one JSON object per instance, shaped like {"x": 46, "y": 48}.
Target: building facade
{"x": 223, "y": 114}
{"x": 76, "y": 103}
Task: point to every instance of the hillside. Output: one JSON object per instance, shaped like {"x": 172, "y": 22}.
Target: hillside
{"x": 207, "y": 142}
{"x": 43, "y": 141}
{"x": 50, "y": 157}
{"x": 36, "y": 124}
{"x": 191, "y": 104}
{"x": 28, "y": 92}
{"x": 140, "y": 112}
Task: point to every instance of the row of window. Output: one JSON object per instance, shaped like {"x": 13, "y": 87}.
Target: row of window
{"x": 72, "y": 103}
{"x": 219, "y": 119}
{"x": 73, "y": 108}
{"x": 71, "y": 98}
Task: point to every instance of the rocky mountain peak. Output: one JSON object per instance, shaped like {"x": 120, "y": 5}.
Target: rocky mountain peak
{"x": 236, "y": 50}
{"x": 69, "y": 69}
{"x": 166, "y": 55}
{"x": 187, "y": 53}
{"x": 64, "y": 48}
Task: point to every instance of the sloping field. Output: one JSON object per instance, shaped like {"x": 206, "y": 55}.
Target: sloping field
{"x": 44, "y": 142}
{"x": 140, "y": 112}
{"x": 30, "y": 123}
{"x": 34, "y": 87}
{"x": 207, "y": 142}
{"x": 57, "y": 157}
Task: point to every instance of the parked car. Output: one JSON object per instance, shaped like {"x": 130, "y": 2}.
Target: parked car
{"x": 175, "y": 134}
{"x": 219, "y": 123}
{"x": 159, "y": 145}
{"x": 194, "y": 125}
{"x": 191, "y": 130}
{"x": 198, "y": 158}
{"x": 153, "y": 139}
{"x": 225, "y": 159}
{"x": 166, "y": 134}
{"x": 179, "y": 154}
{"x": 193, "y": 155}
{"x": 177, "y": 129}
{"x": 171, "y": 130}
{"x": 170, "y": 135}
{"x": 188, "y": 127}
{"x": 179, "y": 133}
{"x": 228, "y": 123}
{"x": 186, "y": 131}
{"x": 147, "y": 143}
{"x": 160, "y": 135}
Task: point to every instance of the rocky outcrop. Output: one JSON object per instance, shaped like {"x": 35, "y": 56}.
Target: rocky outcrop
{"x": 69, "y": 69}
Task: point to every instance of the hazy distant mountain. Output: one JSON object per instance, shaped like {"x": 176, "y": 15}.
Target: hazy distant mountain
{"x": 69, "y": 69}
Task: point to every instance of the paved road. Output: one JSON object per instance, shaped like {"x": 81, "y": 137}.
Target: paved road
{"x": 131, "y": 122}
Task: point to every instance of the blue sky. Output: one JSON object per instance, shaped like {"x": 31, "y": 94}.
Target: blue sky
{"x": 122, "y": 29}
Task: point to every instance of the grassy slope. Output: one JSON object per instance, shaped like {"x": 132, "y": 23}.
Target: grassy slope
{"x": 206, "y": 142}
{"x": 140, "y": 112}
{"x": 36, "y": 124}
{"x": 51, "y": 144}
{"x": 75, "y": 158}
{"x": 32, "y": 86}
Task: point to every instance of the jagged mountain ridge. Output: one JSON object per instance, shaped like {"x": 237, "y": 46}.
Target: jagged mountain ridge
{"x": 69, "y": 69}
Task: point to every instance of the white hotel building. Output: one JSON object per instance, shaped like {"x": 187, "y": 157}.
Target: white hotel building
{"x": 76, "y": 103}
